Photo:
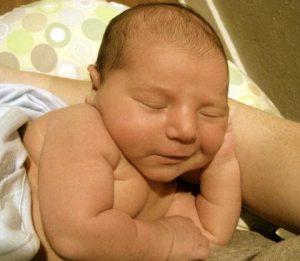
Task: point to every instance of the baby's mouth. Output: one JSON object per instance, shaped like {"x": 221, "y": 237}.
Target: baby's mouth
{"x": 178, "y": 157}
{"x": 171, "y": 159}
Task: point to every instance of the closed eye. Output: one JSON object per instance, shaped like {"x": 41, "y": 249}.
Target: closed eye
{"x": 212, "y": 114}
{"x": 152, "y": 104}
{"x": 214, "y": 111}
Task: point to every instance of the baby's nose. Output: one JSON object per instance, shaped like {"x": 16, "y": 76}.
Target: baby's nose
{"x": 182, "y": 126}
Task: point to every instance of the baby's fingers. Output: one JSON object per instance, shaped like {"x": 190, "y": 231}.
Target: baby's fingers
{"x": 226, "y": 152}
{"x": 201, "y": 250}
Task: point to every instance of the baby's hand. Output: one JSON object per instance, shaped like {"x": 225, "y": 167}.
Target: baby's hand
{"x": 226, "y": 152}
{"x": 220, "y": 197}
{"x": 188, "y": 241}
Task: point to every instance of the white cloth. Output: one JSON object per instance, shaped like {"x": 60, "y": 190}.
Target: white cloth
{"x": 31, "y": 100}
{"x": 18, "y": 104}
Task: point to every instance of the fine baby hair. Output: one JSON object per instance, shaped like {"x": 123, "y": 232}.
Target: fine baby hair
{"x": 156, "y": 22}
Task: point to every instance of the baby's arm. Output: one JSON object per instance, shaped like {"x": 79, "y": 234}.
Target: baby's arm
{"x": 76, "y": 192}
{"x": 219, "y": 202}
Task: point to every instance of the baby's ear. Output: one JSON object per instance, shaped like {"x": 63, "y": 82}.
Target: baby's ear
{"x": 95, "y": 76}
{"x": 95, "y": 80}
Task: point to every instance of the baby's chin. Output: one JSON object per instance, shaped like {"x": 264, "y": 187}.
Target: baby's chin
{"x": 170, "y": 173}
{"x": 159, "y": 173}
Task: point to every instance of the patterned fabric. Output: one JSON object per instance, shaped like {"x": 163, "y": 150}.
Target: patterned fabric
{"x": 55, "y": 37}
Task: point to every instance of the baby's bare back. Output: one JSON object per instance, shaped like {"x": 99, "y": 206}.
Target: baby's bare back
{"x": 132, "y": 193}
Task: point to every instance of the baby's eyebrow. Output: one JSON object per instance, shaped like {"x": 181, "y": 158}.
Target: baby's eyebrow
{"x": 215, "y": 103}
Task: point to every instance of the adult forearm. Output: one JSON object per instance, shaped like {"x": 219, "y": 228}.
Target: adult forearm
{"x": 69, "y": 90}
{"x": 268, "y": 151}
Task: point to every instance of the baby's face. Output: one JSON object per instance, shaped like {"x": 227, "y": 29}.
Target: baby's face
{"x": 166, "y": 110}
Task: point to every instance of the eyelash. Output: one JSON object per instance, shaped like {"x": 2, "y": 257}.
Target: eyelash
{"x": 157, "y": 106}
{"x": 211, "y": 115}
{"x": 153, "y": 106}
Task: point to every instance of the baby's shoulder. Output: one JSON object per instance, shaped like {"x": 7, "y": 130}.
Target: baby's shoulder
{"x": 64, "y": 117}
{"x": 78, "y": 113}
{"x": 79, "y": 124}
{"x": 81, "y": 119}
{"x": 83, "y": 124}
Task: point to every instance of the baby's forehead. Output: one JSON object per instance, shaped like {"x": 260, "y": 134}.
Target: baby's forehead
{"x": 142, "y": 45}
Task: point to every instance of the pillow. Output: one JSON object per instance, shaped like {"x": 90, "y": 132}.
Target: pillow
{"x": 244, "y": 90}
{"x": 63, "y": 37}
{"x": 55, "y": 37}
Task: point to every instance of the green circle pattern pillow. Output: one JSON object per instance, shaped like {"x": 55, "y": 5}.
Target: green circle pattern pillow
{"x": 63, "y": 37}
{"x": 55, "y": 37}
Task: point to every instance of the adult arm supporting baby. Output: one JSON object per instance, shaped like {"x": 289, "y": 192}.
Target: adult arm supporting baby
{"x": 68, "y": 90}
{"x": 268, "y": 151}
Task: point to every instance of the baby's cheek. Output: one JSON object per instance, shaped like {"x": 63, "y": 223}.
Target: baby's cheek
{"x": 212, "y": 143}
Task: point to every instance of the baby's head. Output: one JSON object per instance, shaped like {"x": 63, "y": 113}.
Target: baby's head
{"x": 155, "y": 23}
{"x": 161, "y": 87}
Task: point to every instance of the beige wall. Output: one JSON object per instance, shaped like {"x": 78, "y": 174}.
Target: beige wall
{"x": 266, "y": 35}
